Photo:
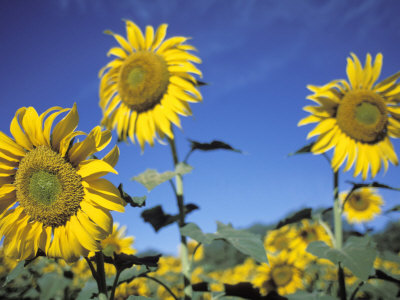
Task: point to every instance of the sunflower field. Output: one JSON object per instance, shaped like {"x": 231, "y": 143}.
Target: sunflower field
{"x": 295, "y": 149}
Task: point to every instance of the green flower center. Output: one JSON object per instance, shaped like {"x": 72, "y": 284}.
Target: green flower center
{"x": 48, "y": 187}
{"x": 143, "y": 80}
{"x": 282, "y": 275}
{"x": 44, "y": 187}
{"x": 363, "y": 116}
{"x": 367, "y": 113}
{"x": 136, "y": 76}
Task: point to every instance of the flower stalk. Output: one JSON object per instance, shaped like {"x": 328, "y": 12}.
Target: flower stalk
{"x": 184, "y": 253}
{"x": 337, "y": 212}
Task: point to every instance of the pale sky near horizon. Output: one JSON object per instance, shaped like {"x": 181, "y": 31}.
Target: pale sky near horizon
{"x": 258, "y": 57}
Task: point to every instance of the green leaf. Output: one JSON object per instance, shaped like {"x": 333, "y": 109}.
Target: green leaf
{"x": 151, "y": 178}
{"x": 52, "y": 285}
{"x": 244, "y": 241}
{"x": 132, "y": 201}
{"x": 304, "y": 149}
{"x": 159, "y": 219}
{"x": 303, "y": 295}
{"x": 139, "y": 298}
{"x": 88, "y": 290}
{"x": 15, "y": 273}
{"x": 358, "y": 255}
{"x": 193, "y": 231}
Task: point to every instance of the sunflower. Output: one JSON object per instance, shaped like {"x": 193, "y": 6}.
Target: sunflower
{"x": 51, "y": 197}
{"x": 357, "y": 118}
{"x": 148, "y": 84}
{"x": 309, "y": 232}
{"x": 283, "y": 274}
{"x": 118, "y": 242}
{"x": 279, "y": 239}
{"x": 362, "y": 205}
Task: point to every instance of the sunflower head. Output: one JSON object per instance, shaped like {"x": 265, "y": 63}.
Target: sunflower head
{"x": 279, "y": 239}
{"x": 148, "y": 84}
{"x": 52, "y": 198}
{"x": 362, "y": 205}
{"x": 357, "y": 117}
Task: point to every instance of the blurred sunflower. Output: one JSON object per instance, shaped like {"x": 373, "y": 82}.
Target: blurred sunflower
{"x": 283, "y": 274}
{"x": 52, "y": 197}
{"x": 362, "y": 205}
{"x": 118, "y": 242}
{"x": 279, "y": 239}
{"x": 357, "y": 117}
{"x": 308, "y": 232}
{"x": 148, "y": 83}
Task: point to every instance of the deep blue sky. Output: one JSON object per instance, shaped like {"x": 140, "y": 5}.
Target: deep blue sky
{"x": 258, "y": 57}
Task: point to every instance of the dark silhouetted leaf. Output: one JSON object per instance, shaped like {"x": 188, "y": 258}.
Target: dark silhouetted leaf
{"x": 159, "y": 219}
{"x": 296, "y": 217}
{"x": 132, "y": 201}
{"x": 372, "y": 184}
{"x": 302, "y": 150}
{"x": 393, "y": 209}
{"x": 214, "y": 145}
{"x": 303, "y": 295}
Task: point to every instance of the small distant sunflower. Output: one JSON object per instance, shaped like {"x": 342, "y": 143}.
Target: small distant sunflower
{"x": 283, "y": 274}
{"x": 362, "y": 205}
{"x": 118, "y": 242}
{"x": 51, "y": 197}
{"x": 148, "y": 84}
{"x": 279, "y": 239}
{"x": 357, "y": 118}
{"x": 309, "y": 232}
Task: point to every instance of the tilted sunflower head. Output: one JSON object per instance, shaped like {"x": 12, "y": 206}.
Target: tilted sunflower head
{"x": 148, "y": 84}
{"x": 52, "y": 198}
{"x": 357, "y": 117}
{"x": 361, "y": 205}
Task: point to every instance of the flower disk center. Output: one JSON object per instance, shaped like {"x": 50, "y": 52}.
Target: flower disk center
{"x": 48, "y": 187}
{"x": 44, "y": 187}
{"x": 282, "y": 275}
{"x": 362, "y": 115}
{"x": 143, "y": 80}
{"x": 358, "y": 204}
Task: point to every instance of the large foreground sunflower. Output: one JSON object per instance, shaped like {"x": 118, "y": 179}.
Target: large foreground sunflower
{"x": 51, "y": 197}
{"x": 148, "y": 84}
{"x": 362, "y": 205}
{"x": 357, "y": 118}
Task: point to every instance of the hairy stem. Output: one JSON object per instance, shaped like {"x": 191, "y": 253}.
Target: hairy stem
{"x": 337, "y": 212}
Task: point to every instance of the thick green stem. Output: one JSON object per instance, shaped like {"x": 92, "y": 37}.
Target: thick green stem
{"x": 337, "y": 212}
{"x": 184, "y": 253}
{"x": 101, "y": 273}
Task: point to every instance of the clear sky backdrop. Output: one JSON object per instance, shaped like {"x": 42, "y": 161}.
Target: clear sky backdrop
{"x": 258, "y": 57}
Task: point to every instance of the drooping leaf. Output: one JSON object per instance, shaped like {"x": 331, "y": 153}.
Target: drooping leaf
{"x": 372, "y": 184}
{"x": 244, "y": 241}
{"x": 52, "y": 286}
{"x": 15, "y": 273}
{"x": 124, "y": 261}
{"x": 151, "y": 178}
{"x": 132, "y": 201}
{"x": 358, "y": 255}
{"x": 382, "y": 275}
{"x": 304, "y": 149}
{"x": 159, "y": 219}
{"x": 296, "y": 217}
{"x": 88, "y": 290}
{"x": 393, "y": 209}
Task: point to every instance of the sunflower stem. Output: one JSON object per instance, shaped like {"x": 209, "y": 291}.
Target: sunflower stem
{"x": 337, "y": 212}
{"x": 184, "y": 253}
{"x": 101, "y": 273}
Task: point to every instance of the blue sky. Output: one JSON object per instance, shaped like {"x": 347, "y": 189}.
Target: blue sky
{"x": 258, "y": 57}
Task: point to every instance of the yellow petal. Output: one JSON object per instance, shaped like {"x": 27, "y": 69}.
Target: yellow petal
{"x": 17, "y": 132}
{"x": 104, "y": 200}
{"x": 118, "y": 52}
{"x": 121, "y": 40}
{"x": 9, "y": 147}
{"x": 95, "y": 231}
{"x": 67, "y": 125}
{"x": 99, "y": 215}
{"x": 94, "y": 168}
{"x": 135, "y": 35}
{"x": 160, "y": 35}
{"x": 322, "y": 127}
{"x": 149, "y": 37}
{"x": 112, "y": 157}
{"x": 81, "y": 234}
